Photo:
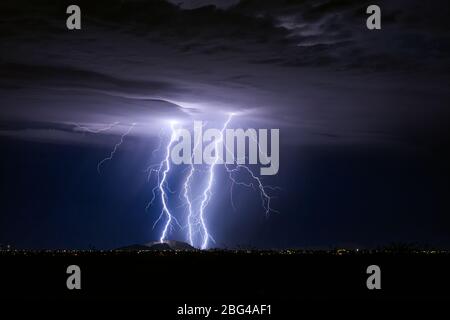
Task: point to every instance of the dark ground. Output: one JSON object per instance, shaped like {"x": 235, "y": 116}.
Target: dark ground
{"x": 225, "y": 276}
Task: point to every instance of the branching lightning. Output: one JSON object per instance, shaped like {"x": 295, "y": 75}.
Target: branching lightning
{"x": 196, "y": 218}
{"x": 164, "y": 199}
{"x": 116, "y": 146}
{"x": 196, "y": 206}
{"x": 189, "y": 203}
{"x": 207, "y": 191}
{"x": 187, "y": 198}
{"x": 265, "y": 198}
{"x": 162, "y": 186}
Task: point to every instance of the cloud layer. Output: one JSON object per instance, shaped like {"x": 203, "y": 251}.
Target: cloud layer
{"x": 311, "y": 68}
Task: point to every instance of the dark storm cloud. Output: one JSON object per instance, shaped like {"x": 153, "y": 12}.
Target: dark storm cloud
{"x": 333, "y": 33}
{"x": 32, "y": 93}
{"x": 20, "y": 75}
{"x": 307, "y": 66}
{"x": 193, "y": 4}
{"x": 312, "y": 33}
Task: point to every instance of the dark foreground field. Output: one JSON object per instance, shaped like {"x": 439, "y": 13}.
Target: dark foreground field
{"x": 224, "y": 276}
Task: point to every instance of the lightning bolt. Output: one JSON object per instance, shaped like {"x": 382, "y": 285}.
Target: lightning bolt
{"x": 162, "y": 185}
{"x": 256, "y": 184}
{"x": 186, "y": 194}
{"x": 90, "y": 130}
{"x": 188, "y": 200}
{"x": 265, "y": 198}
{"x": 207, "y": 191}
{"x": 196, "y": 219}
{"x": 116, "y": 146}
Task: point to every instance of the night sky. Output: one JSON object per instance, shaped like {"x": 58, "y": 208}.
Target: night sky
{"x": 363, "y": 115}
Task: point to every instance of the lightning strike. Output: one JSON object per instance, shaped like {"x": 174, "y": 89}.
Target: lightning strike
{"x": 189, "y": 203}
{"x": 162, "y": 183}
{"x": 207, "y": 191}
{"x": 265, "y": 198}
{"x": 116, "y": 146}
{"x": 196, "y": 221}
{"x": 186, "y": 194}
